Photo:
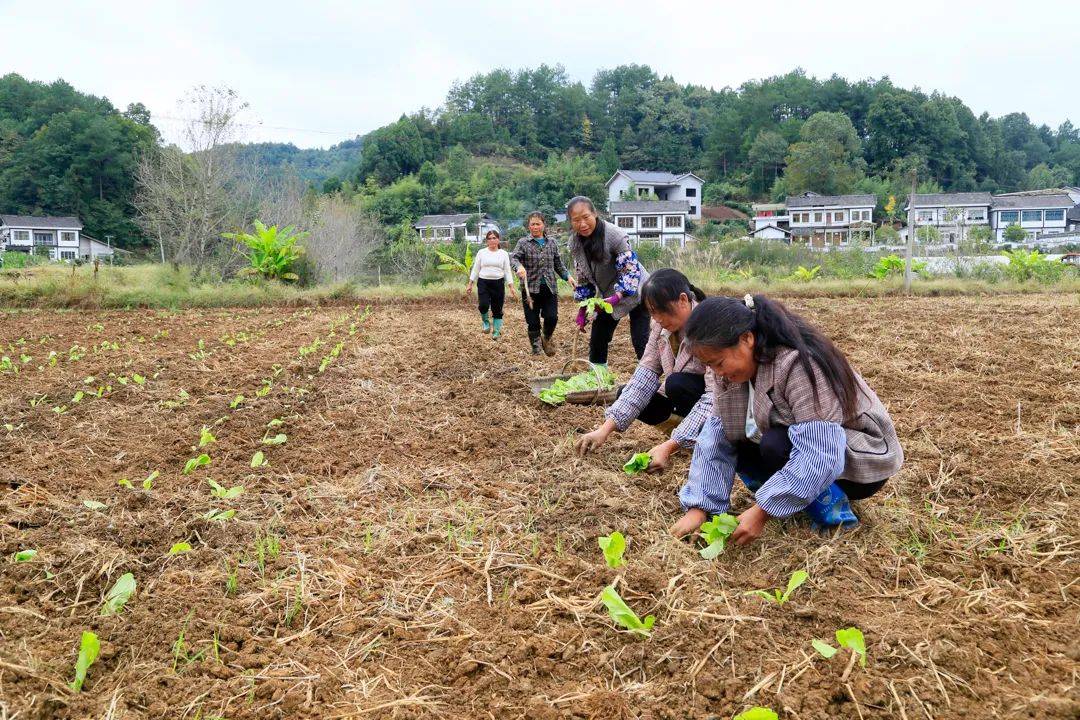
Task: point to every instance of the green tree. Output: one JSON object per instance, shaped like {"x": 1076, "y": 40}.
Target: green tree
{"x": 766, "y": 156}
{"x": 393, "y": 151}
{"x": 1042, "y": 176}
{"x": 1015, "y": 233}
{"x": 825, "y": 159}
{"x": 608, "y": 160}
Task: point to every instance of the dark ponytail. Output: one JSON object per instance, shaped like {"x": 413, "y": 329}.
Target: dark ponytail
{"x": 719, "y": 322}
{"x": 664, "y": 288}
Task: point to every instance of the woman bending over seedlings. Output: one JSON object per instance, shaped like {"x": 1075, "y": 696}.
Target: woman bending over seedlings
{"x": 536, "y": 261}
{"x": 606, "y": 268}
{"x": 491, "y": 273}
{"x": 669, "y": 381}
{"x": 801, "y": 428}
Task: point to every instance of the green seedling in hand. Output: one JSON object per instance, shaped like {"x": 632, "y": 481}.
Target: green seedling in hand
{"x": 121, "y": 591}
{"x": 780, "y": 597}
{"x": 613, "y": 546}
{"x": 180, "y": 547}
{"x": 716, "y": 532}
{"x": 89, "y": 648}
{"x": 636, "y": 464}
{"x": 225, "y": 494}
{"x": 757, "y": 713}
{"x": 196, "y": 462}
{"x": 24, "y": 555}
{"x": 621, "y": 613}
{"x": 594, "y": 305}
{"x": 851, "y": 638}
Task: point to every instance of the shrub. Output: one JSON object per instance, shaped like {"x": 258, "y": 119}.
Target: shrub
{"x": 272, "y": 252}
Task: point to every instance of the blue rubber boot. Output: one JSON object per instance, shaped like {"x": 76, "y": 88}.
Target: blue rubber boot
{"x": 830, "y": 510}
{"x": 496, "y": 328}
{"x": 487, "y": 323}
{"x": 752, "y": 483}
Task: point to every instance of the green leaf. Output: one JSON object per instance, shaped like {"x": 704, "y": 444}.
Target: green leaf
{"x": 236, "y": 401}
{"x": 826, "y": 650}
{"x": 94, "y": 504}
{"x": 219, "y": 515}
{"x": 637, "y": 463}
{"x": 149, "y": 481}
{"x": 763, "y": 594}
{"x": 853, "y": 639}
{"x": 124, "y": 482}
{"x": 139, "y": 379}
{"x": 613, "y": 546}
{"x": 24, "y": 555}
{"x": 621, "y": 613}
{"x": 757, "y": 713}
{"x": 89, "y": 648}
{"x": 196, "y": 462}
{"x": 206, "y": 437}
{"x": 715, "y": 532}
{"x": 119, "y": 594}
{"x": 258, "y": 459}
{"x": 797, "y": 579}
{"x": 180, "y": 547}
{"x": 278, "y": 439}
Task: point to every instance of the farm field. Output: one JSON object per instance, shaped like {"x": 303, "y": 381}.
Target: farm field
{"x": 422, "y": 541}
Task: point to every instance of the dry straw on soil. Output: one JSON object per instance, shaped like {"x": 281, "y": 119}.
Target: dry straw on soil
{"x": 437, "y": 535}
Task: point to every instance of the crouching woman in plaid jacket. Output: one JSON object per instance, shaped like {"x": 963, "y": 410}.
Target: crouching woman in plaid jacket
{"x": 669, "y": 383}
{"x": 801, "y": 428}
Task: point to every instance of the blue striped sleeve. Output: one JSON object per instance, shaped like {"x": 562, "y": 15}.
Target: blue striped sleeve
{"x": 817, "y": 460}
{"x": 686, "y": 434}
{"x": 712, "y": 470}
{"x": 639, "y": 390}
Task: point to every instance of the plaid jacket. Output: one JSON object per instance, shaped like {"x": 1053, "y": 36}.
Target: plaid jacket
{"x": 660, "y": 360}
{"x": 783, "y": 396}
{"x": 540, "y": 263}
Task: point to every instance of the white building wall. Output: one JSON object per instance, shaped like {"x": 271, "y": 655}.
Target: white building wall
{"x": 619, "y": 185}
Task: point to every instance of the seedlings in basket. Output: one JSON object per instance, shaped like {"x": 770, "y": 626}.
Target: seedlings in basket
{"x": 851, "y": 638}
{"x": 120, "y": 593}
{"x": 613, "y": 546}
{"x": 636, "y": 464}
{"x": 196, "y": 462}
{"x": 224, "y": 493}
{"x": 621, "y": 613}
{"x": 89, "y": 649}
{"x": 716, "y": 531}
{"x": 781, "y": 596}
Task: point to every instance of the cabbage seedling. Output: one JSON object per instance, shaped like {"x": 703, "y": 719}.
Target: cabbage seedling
{"x": 206, "y": 437}
{"x": 89, "y": 648}
{"x": 225, "y": 494}
{"x": 593, "y": 305}
{"x": 219, "y": 515}
{"x": 780, "y": 597}
{"x": 180, "y": 547}
{"x": 278, "y": 439}
{"x": 258, "y": 459}
{"x": 621, "y": 613}
{"x": 851, "y": 638}
{"x": 757, "y": 713}
{"x": 148, "y": 482}
{"x": 196, "y": 462}
{"x": 613, "y": 546}
{"x": 636, "y": 464}
{"x": 120, "y": 593}
{"x": 139, "y": 379}
{"x": 24, "y": 555}
{"x": 236, "y": 402}
{"x": 716, "y": 532}
{"x": 94, "y": 504}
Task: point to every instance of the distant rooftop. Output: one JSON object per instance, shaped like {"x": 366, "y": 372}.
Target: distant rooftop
{"x": 43, "y": 222}
{"x": 658, "y": 177}
{"x": 444, "y": 220}
{"x": 622, "y": 207}
{"x": 1033, "y": 201}
{"x": 951, "y": 199}
{"x": 811, "y": 199}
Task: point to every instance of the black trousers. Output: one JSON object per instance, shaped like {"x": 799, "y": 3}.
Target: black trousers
{"x": 603, "y": 329}
{"x": 760, "y": 462}
{"x": 682, "y": 390}
{"x": 546, "y": 305}
{"x": 491, "y": 293}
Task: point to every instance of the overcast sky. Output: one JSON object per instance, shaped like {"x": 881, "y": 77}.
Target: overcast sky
{"x": 315, "y": 73}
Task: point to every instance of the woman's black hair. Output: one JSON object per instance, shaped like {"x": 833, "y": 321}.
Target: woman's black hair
{"x": 664, "y": 288}
{"x": 594, "y": 247}
{"x": 494, "y": 232}
{"x": 537, "y": 214}
{"x": 719, "y": 322}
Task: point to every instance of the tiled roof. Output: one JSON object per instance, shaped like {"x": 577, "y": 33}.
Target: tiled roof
{"x": 1021, "y": 202}
{"x": 622, "y": 207}
{"x": 34, "y": 221}
{"x": 815, "y": 200}
{"x": 443, "y": 220}
{"x": 951, "y": 199}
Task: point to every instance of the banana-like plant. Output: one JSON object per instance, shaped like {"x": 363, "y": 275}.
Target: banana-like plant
{"x": 271, "y": 251}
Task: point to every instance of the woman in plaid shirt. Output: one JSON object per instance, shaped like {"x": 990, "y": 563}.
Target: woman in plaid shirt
{"x": 669, "y": 381}
{"x": 801, "y": 428}
{"x": 536, "y": 261}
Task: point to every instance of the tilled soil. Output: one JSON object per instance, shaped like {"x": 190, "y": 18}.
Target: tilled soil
{"x": 423, "y": 544}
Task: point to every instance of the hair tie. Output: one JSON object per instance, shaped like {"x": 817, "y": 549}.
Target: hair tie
{"x": 748, "y": 300}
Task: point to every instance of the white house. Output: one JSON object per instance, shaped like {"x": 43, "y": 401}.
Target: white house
{"x": 823, "y": 220}
{"x": 662, "y": 221}
{"x": 952, "y": 213}
{"x": 53, "y": 237}
{"x": 666, "y": 186}
{"x": 445, "y": 228}
{"x": 1039, "y": 214}
{"x": 771, "y": 232}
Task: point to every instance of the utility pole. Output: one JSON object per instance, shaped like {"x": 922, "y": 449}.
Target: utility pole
{"x": 911, "y": 230}
{"x": 108, "y": 240}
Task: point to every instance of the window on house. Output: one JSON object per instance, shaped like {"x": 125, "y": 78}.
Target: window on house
{"x": 1031, "y": 216}
{"x": 626, "y": 222}
{"x": 68, "y": 237}
{"x": 1055, "y": 215}
{"x": 673, "y": 221}
{"x": 22, "y": 236}
{"x": 839, "y": 217}
{"x": 976, "y": 215}
{"x": 691, "y": 192}
{"x": 43, "y": 238}
{"x": 649, "y": 222}
{"x": 817, "y": 217}
{"x": 1008, "y": 216}
{"x": 926, "y": 216}
{"x": 67, "y": 254}
{"x": 643, "y": 192}
{"x": 693, "y": 209}
{"x": 443, "y": 232}
{"x": 648, "y": 236}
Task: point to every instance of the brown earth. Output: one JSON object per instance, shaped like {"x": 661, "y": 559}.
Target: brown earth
{"x": 437, "y": 535}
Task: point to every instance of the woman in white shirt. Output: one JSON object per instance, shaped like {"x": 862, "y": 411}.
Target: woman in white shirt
{"x": 491, "y": 273}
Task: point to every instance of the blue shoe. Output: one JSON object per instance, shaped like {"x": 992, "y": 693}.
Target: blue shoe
{"x": 752, "y": 484}
{"x": 487, "y": 323}
{"x": 496, "y": 328}
{"x": 830, "y": 510}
